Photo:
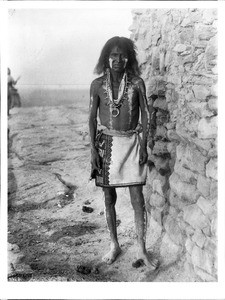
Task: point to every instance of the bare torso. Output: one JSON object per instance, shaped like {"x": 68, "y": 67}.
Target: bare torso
{"x": 129, "y": 110}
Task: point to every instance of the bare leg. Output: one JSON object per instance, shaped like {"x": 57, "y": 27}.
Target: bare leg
{"x": 138, "y": 204}
{"x": 110, "y": 201}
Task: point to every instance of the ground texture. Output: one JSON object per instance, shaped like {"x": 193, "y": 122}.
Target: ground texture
{"x": 50, "y": 237}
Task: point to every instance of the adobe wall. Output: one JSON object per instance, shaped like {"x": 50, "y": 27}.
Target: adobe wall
{"x": 177, "y": 51}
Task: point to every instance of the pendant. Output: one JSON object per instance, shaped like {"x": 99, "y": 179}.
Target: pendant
{"x": 115, "y": 112}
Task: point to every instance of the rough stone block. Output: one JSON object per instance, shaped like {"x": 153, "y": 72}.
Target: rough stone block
{"x": 188, "y": 228}
{"x": 180, "y": 48}
{"x": 173, "y": 212}
{"x": 155, "y": 61}
{"x": 199, "y": 238}
{"x": 204, "y": 32}
{"x": 201, "y": 80}
{"x": 160, "y": 148}
{"x": 201, "y": 109}
{"x": 213, "y": 152}
{"x": 170, "y": 126}
{"x": 187, "y": 22}
{"x": 211, "y": 52}
{"x": 207, "y": 128}
{"x": 202, "y": 259}
{"x": 156, "y": 214}
{"x": 211, "y": 169}
{"x": 209, "y": 15}
{"x": 211, "y": 245}
{"x": 188, "y": 59}
{"x": 191, "y": 124}
{"x": 207, "y": 230}
{"x": 161, "y": 132}
{"x": 188, "y": 267}
{"x": 194, "y": 216}
{"x": 189, "y": 96}
{"x": 213, "y": 228}
{"x": 184, "y": 173}
{"x": 172, "y": 135}
{"x": 191, "y": 158}
{"x": 202, "y": 144}
{"x": 155, "y": 175}
{"x": 189, "y": 245}
{"x": 200, "y": 92}
{"x": 174, "y": 79}
{"x": 142, "y": 57}
{"x": 158, "y": 187}
{"x": 185, "y": 191}
{"x": 169, "y": 251}
{"x": 188, "y": 258}
{"x": 175, "y": 201}
{"x": 154, "y": 232}
{"x": 173, "y": 230}
{"x": 200, "y": 44}
{"x": 171, "y": 147}
{"x": 160, "y": 103}
{"x": 161, "y": 164}
{"x": 204, "y": 275}
{"x": 161, "y": 86}
{"x": 214, "y": 93}
{"x": 162, "y": 117}
{"x": 186, "y": 35}
{"x": 206, "y": 206}
{"x": 213, "y": 189}
{"x": 157, "y": 200}
{"x": 203, "y": 185}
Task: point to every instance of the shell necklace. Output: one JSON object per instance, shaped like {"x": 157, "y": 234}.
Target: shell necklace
{"x": 116, "y": 103}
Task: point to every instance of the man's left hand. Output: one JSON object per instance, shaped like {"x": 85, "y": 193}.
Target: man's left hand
{"x": 143, "y": 156}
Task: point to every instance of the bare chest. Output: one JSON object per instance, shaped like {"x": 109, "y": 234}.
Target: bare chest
{"x": 128, "y": 98}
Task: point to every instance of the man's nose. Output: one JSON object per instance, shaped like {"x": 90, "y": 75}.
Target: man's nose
{"x": 119, "y": 58}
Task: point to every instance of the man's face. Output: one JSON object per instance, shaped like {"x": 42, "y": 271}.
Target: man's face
{"x": 117, "y": 60}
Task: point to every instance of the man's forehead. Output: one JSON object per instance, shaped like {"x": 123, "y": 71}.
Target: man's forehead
{"x": 117, "y": 49}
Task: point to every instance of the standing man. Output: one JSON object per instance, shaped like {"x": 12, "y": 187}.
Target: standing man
{"x": 119, "y": 146}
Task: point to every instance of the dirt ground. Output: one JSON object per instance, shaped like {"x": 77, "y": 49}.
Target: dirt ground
{"x": 50, "y": 237}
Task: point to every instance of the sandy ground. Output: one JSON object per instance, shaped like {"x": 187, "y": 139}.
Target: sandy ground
{"x": 50, "y": 237}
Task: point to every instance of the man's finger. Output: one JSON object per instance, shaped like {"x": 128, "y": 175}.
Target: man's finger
{"x": 98, "y": 163}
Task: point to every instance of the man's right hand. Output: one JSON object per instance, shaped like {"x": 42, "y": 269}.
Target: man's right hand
{"x": 95, "y": 160}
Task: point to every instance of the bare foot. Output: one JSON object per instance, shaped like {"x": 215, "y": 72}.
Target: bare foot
{"x": 151, "y": 262}
{"x": 111, "y": 256}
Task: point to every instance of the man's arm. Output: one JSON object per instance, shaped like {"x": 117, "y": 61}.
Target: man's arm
{"x": 93, "y": 109}
{"x": 145, "y": 119}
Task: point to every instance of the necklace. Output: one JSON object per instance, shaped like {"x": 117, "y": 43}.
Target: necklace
{"x": 116, "y": 103}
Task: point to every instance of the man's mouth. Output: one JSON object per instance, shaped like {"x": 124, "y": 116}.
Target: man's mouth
{"x": 118, "y": 65}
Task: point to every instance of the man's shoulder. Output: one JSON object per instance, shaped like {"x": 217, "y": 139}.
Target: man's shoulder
{"x": 136, "y": 80}
{"x": 97, "y": 82}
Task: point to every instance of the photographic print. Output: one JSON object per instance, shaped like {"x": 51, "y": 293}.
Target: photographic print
{"x": 112, "y": 145}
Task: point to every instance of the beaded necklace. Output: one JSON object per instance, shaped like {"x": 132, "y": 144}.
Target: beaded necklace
{"x": 116, "y": 103}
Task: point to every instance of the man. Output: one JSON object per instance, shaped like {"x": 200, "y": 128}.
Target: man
{"x": 119, "y": 153}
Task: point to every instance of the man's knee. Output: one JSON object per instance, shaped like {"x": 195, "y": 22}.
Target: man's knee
{"x": 110, "y": 196}
{"x": 136, "y": 191}
{"x": 136, "y": 196}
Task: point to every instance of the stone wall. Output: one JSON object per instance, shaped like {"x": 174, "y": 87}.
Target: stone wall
{"x": 177, "y": 52}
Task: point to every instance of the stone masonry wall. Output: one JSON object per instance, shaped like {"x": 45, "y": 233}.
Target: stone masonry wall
{"x": 177, "y": 51}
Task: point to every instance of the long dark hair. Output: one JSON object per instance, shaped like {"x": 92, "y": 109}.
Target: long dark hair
{"x": 124, "y": 44}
